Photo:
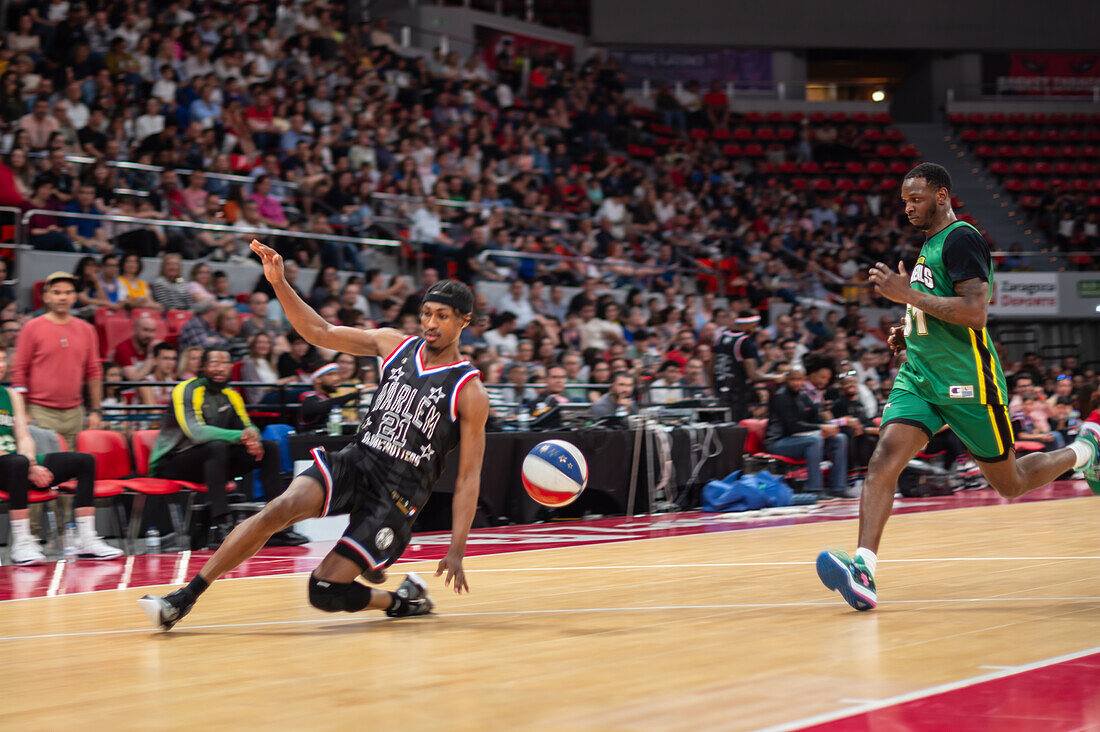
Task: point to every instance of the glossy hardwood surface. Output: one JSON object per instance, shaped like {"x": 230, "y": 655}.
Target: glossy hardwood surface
{"x": 713, "y": 631}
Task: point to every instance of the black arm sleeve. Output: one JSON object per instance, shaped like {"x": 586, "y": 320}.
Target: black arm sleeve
{"x": 313, "y": 407}
{"x": 966, "y": 255}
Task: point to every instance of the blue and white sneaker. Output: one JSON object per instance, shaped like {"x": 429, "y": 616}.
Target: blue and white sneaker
{"x": 850, "y": 577}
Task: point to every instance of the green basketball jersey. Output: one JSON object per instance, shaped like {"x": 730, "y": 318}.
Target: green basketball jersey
{"x": 7, "y": 423}
{"x": 950, "y": 364}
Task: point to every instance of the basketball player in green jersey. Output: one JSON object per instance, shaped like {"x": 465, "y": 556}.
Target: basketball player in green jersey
{"x": 952, "y": 377}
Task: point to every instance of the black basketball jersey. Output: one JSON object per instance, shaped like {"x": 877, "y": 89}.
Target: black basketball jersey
{"x": 730, "y": 351}
{"x": 412, "y": 423}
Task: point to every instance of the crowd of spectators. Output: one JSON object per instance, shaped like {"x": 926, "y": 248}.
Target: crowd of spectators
{"x": 483, "y": 164}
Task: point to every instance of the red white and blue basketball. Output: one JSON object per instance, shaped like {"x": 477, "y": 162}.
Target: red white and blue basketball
{"x": 555, "y": 473}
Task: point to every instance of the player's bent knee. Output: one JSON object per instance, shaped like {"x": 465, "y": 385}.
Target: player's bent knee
{"x": 335, "y": 597}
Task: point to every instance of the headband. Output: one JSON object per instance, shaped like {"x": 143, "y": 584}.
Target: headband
{"x": 444, "y": 298}
{"x": 328, "y": 368}
{"x": 749, "y": 320}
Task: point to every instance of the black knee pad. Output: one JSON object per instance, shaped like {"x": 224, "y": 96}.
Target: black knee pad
{"x": 334, "y": 597}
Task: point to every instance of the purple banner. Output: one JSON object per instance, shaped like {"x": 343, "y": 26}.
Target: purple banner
{"x": 742, "y": 67}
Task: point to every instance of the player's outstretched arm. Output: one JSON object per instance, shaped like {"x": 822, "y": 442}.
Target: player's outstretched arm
{"x": 473, "y": 410}
{"x": 314, "y": 328}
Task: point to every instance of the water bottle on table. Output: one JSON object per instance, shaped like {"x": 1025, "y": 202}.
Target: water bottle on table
{"x": 335, "y": 425}
{"x": 152, "y": 540}
{"x": 70, "y": 542}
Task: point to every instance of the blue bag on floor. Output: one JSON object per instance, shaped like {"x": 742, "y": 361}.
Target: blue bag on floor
{"x": 737, "y": 492}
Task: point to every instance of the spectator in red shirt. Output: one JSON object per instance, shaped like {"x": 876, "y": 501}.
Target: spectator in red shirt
{"x": 717, "y": 106}
{"x": 56, "y": 356}
{"x": 259, "y": 117}
{"x": 132, "y": 355}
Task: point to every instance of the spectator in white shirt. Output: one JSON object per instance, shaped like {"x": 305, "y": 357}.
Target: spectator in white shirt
{"x": 596, "y": 332}
{"x": 503, "y": 339}
{"x": 515, "y": 301}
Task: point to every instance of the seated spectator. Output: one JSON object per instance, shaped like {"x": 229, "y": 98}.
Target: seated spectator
{"x": 503, "y": 339}
{"x": 859, "y": 419}
{"x": 260, "y": 366}
{"x": 115, "y": 400}
{"x": 89, "y": 289}
{"x": 1026, "y": 425}
{"x": 164, "y": 358}
{"x": 206, "y": 436}
{"x": 352, "y": 379}
{"x": 170, "y": 290}
{"x": 22, "y": 469}
{"x": 132, "y": 355}
{"x": 200, "y": 285}
{"x": 693, "y": 384}
{"x": 89, "y": 235}
{"x": 136, "y": 290}
{"x": 229, "y": 328}
{"x": 45, "y": 231}
{"x": 663, "y": 389}
{"x": 619, "y": 399}
{"x": 269, "y": 209}
{"x": 317, "y": 403}
{"x": 553, "y": 393}
{"x": 300, "y": 361}
{"x": 797, "y": 429}
{"x": 600, "y": 373}
{"x": 188, "y": 364}
{"x": 202, "y": 330}
{"x": 39, "y": 124}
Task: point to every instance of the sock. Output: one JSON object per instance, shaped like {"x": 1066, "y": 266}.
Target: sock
{"x": 1083, "y": 451}
{"x": 85, "y": 528}
{"x": 869, "y": 559}
{"x": 188, "y": 594}
{"x": 20, "y": 528}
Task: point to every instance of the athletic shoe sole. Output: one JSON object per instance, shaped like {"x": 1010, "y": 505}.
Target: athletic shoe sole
{"x": 154, "y": 608}
{"x": 834, "y": 574}
{"x": 423, "y": 587}
{"x": 1091, "y": 470}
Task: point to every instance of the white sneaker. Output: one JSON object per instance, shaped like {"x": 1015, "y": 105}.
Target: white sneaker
{"x": 93, "y": 547}
{"x": 25, "y": 551}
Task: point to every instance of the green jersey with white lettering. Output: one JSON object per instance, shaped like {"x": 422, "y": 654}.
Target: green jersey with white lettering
{"x": 948, "y": 363}
{"x": 7, "y": 423}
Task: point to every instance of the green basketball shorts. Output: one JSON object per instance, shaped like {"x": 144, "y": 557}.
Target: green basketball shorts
{"x": 985, "y": 429}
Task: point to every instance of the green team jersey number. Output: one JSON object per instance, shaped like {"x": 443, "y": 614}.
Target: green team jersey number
{"x": 948, "y": 363}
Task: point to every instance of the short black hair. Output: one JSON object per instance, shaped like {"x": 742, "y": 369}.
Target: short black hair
{"x": 207, "y": 352}
{"x": 935, "y": 175}
{"x": 162, "y": 347}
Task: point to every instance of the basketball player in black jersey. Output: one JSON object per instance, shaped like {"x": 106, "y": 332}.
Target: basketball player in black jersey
{"x": 427, "y": 399}
{"x": 735, "y": 362}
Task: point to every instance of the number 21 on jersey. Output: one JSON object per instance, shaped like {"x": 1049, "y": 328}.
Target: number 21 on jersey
{"x": 911, "y": 314}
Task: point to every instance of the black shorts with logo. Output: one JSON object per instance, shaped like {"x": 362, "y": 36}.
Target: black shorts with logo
{"x": 380, "y": 524}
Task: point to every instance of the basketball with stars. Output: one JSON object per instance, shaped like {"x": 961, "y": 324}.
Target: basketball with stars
{"x": 555, "y": 473}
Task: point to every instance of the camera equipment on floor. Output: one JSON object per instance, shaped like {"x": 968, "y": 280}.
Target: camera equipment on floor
{"x": 921, "y": 480}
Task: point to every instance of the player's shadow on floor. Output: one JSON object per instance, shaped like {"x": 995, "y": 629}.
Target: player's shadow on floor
{"x": 431, "y": 625}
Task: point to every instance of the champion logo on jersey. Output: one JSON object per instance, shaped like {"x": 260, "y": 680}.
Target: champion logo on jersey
{"x": 961, "y": 392}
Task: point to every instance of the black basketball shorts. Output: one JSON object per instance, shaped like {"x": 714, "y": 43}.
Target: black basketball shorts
{"x": 378, "y": 531}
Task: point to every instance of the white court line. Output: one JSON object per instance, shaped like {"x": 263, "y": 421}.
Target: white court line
{"x": 183, "y": 559}
{"x": 127, "y": 572}
{"x": 567, "y": 611}
{"x": 181, "y": 567}
{"x": 927, "y": 692}
{"x": 55, "y": 580}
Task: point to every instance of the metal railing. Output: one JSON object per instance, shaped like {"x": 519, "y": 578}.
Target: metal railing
{"x": 474, "y": 206}
{"x": 158, "y": 169}
{"x": 264, "y": 231}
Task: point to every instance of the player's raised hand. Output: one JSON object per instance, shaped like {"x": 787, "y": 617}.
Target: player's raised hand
{"x": 894, "y": 286}
{"x": 452, "y": 565}
{"x": 272, "y": 260}
{"x": 896, "y": 341}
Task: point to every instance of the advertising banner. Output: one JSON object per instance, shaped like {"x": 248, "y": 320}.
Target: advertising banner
{"x": 1041, "y": 74}
{"x": 1025, "y": 293}
{"x": 656, "y": 65}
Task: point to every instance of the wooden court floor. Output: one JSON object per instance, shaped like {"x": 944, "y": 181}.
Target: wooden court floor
{"x": 721, "y": 631}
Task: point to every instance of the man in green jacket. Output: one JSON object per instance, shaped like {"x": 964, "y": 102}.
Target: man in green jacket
{"x": 207, "y": 437}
